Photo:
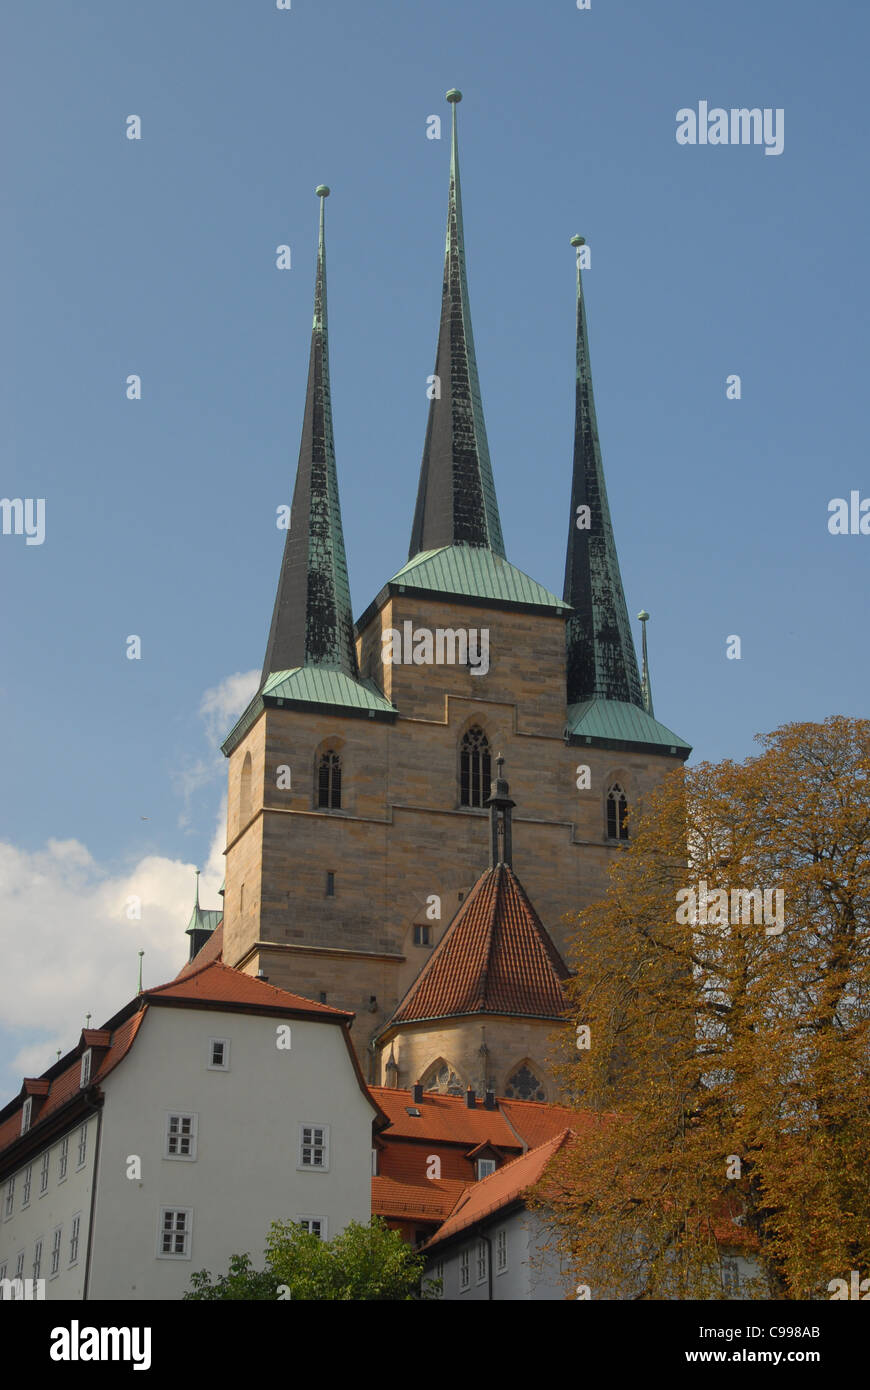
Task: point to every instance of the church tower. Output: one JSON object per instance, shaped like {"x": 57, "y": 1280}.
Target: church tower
{"x": 358, "y": 818}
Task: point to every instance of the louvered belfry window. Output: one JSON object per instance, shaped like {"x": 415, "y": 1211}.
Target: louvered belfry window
{"x": 475, "y": 768}
{"x": 329, "y": 781}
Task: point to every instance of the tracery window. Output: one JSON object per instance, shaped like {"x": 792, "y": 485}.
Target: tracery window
{"x": 475, "y": 768}
{"x": 329, "y": 781}
{"x": 524, "y": 1085}
{"x": 617, "y": 811}
{"x": 442, "y": 1078}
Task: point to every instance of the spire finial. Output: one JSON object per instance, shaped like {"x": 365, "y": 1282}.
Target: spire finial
{"x": 645, "y": 685}
{"x": 500, "y": 807}
{"x": 196, "y": 900}
{"x": 87, "y": 1020}
{"x": 141, "y": 954}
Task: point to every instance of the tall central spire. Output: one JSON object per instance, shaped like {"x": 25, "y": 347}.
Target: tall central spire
{"x": 601, "y": 658}
{"x": 456, "y": 499}
{"x": 312, "y": 623}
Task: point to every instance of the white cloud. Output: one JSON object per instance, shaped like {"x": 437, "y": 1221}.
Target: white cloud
{"x": 220, "y": 707}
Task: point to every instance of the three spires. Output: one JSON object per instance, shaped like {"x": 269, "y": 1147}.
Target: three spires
{"x": 312, "y": 622}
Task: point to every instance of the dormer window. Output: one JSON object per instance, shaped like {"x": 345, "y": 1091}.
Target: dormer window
{"x": 485, "y": 1166}
{"x": 85, "y": 1076}
{"x": 26, "y": 1111}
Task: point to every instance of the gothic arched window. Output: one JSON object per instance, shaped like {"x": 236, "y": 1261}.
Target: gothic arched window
{"x": 329, "y": 781}
{"x": 245, "y": 791}
{"x": 524, "y": 1084}
{"x": 617, "y": 811}
{"x": 475, "y": 768}
{"x": 442, "y": 1078}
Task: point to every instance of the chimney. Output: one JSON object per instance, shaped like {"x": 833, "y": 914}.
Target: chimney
{"x": 470, "y": 1098}
{"x": 417, "y": 1092}
{"x": 489, "y": 1100}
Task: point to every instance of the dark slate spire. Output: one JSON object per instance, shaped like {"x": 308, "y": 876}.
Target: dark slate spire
{"x": 601, "y": 658}
{"x": 312, "y": 623}
{"x": 456, "y": 499}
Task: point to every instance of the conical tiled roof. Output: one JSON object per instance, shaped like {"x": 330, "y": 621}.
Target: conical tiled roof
{"x": 496, "y": 957}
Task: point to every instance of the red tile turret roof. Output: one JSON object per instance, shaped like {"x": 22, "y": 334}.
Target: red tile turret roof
{"x": 496, "y": 957}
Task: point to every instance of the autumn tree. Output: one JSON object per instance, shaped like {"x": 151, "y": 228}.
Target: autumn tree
{"x": 720, "y": 1033}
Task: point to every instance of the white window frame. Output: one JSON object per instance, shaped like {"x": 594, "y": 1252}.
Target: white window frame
{"x": 311, "y": 1126}
{"x": 75, "y": 1238}
{"x": 28, "y": 1181}
{"x": 489, "y": 1164}
{"x": 482, "y": 1260}
{"x": 56, "y": 1239}
{"x": 85, "y": 1073}
{"x": 225, "y": 1064}
{"x": 45, "y": 1165}
{"x": 37, "y": 1258}
{"x": 439, "y": 1274}
{"x": 83, "y": 1146}
{"x": 19, "y": 1265}
{"x": 501, "y": 1254}
{"x": 26, "y": 1112}
{"x": 324, "y": 1223}
{"x": 193, "y": 1117}
{"x": 464, "y": 1269}
{"x": 63, "y": 1159}
{"x": 9, "y": 1204}
{"x": 187, "y": 1213}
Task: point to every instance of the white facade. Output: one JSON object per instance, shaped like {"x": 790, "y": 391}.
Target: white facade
{"x": 54, "y": 1209}
{"x": 520, "y": 1272}
{"x": 210, "y": 1150}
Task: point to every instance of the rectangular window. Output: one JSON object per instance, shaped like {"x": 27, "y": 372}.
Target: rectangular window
{"x": 422, "y": 935}
{"x": 315, "y": 1224}
{"x": 55, "y": 1251}
{"x": 10, "y": 1198}
{"x": 175, "y": 1230}
{"x": 464, "y": 1277}
{"x": 485, "y": 1166}
{"x": 330, "y": 884}
{"x": 180, "y": 1136}
{"x": 481, "y": 1261}
{"x": 43, "y": 1172}
{"x": 25, "y": 1195}
{"x": 26, "y": 1111}
{"x": 374, "y": 1163}
{"x": 37, "y": 1258}
{"x": 219, "y": 1054}
{"x": 439, "y": 1275}
{"x": 501, "y": 1252}
{"x": 19, "y": 1265}
{"x": 63, "y": 1159}
{"x": 86, "y": 1068}
{"x": 83, "y": 1145}
{"x": 314, "y": 1147}
{"x": 74, "y": 1239}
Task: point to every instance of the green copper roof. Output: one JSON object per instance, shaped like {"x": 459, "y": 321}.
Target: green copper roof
{"x": 472, "y": 572}
{"x": 618, "y": 722}
{"x": 311, "y": 685}
{"x": 456, "y": 496}
{"x": 601, "y": 658}
{"x": 312, "y": 623}
{"x": 205, "y": 918}
{"x": 308, "y": 686}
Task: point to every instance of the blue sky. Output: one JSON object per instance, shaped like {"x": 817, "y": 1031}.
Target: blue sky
{"x": 157, "y": 257}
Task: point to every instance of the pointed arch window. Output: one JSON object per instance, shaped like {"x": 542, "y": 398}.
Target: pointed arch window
{"x": 617, "y": 812}
{"x": 524, "y": 1084}
{"x": 475, "y": 768}
{"x": 442, "y": 1078}
{"x": 329, "y": 781}
{"x": 245, "y": 790}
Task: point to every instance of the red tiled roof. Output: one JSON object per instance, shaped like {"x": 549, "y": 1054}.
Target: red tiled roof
{"x": 496, "y": 957}
{"x": 65, "y": 1084}
{"x": 502, "y": 1187}
{"x": 214, "y": 983}
{"x": 211, "y": 950}
{"x": 403, "y": 1201}
{"x": 442, "y": 1118}
{"x": 535, "y": 1122}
